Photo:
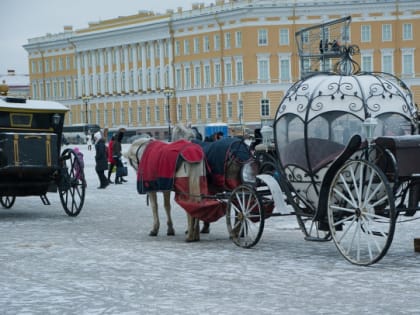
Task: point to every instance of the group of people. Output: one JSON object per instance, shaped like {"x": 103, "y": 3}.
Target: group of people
{"x": 108, "y": 157}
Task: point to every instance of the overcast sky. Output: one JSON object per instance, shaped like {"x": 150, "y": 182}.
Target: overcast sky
{"x": 24, "y": 19}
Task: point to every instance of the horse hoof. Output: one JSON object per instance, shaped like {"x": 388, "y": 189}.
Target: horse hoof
{"x": 153, "y": 233}
{"x": 189, "y": 240}
{"x": 170, "y": 233}
{"x": 205, "y": 230}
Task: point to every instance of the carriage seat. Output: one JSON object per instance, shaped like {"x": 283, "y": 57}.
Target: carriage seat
{"x": 320, "y": 153}
{"x": 406, "y": 150}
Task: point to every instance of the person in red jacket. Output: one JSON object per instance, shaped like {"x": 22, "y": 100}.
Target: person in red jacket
{"x": 111, "y": 161}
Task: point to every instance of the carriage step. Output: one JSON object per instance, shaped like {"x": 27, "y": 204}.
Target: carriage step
{"x": 45, "y": 200}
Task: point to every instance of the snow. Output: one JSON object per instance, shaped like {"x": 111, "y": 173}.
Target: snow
{"x": 104, "y": 262}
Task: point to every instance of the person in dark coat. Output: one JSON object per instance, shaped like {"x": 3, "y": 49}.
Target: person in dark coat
{"x": 111, "y": 161}
{"x": 101, "y": 160}
{"x": 117, "y": 155}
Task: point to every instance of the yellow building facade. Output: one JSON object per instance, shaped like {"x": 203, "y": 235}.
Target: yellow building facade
{"x": 229, "y": 62}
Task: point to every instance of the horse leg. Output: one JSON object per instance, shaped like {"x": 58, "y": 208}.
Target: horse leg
{"x": 167, "y": 205}
{"x": 206, "y": 228}
{"x": 154, "y": 205}
{"x": 193, "y": 234}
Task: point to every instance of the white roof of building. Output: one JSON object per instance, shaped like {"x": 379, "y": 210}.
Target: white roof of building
{"x": 15, "y": 80}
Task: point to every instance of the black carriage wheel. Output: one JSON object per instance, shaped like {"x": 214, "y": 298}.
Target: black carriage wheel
{"x": 361, "y": 212}
{"x": 245, "y": 216}
{"x": 7, "y": 201}
{"x": 72, "y": 185}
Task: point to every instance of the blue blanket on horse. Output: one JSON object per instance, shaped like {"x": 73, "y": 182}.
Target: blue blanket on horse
{"x": 218, "y": 155}
{"x": 157, "y": 167}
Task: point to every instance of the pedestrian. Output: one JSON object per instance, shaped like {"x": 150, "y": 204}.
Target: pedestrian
{"x": 111, "y": 161}
{"x": 79, "y": 167}
{"x": 101, "y": 159}
{"x": 89, "y": 141}
{"x": 116, "y": 154}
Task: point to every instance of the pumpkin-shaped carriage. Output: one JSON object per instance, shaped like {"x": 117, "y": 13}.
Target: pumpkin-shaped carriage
{"x": 31, "y": 161}
{"x": 344, "y": 158}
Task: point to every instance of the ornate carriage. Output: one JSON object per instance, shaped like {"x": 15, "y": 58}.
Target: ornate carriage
{"x": 344, "y": 159}
{"x": 30, "y": 159}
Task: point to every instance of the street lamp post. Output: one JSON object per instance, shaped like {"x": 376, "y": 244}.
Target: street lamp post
{"x": 168, "y": 93}
{"x": 86, "y": 102}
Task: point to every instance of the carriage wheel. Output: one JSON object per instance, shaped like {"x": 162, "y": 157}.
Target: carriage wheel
{"x": 72, "y": 183}
{"x": 361, "y": 212}
{"x": 7, "y": 201}
{"x": 245, "y": 216}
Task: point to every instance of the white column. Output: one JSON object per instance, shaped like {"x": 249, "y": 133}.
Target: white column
{"x": 85, "y": 57}
{"x": 94, "y": 75}
{"x": 79, "y": 75}
{"x": 126, "y": 69}
{"x": 144, "y": 66}
{"x": 152, "y": 65}
{"x": 110, "y": 74}
{"x": 102, "y": 70}
{"x": 135, "y": 70}
{"x": 162, "y": 63}
{"x": 171, "y": 64}
{"x": 118, "y": 68}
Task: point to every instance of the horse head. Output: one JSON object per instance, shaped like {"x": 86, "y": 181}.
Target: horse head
{"x": 135, "y": 151}
{"x": 180, "y": 131}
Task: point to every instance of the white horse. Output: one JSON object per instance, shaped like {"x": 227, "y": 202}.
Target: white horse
{"x": 134, "y": 155}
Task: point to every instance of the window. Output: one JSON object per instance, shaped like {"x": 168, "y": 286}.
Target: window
{"x": 33, "y": 66}
{"x": 284, "y": 36}
{"x": 177, "y": 48}
{"x": 285, "y": 69}
{"x": 386, "y": 32}
{"x": 238, "y": 39}
{"x": 240, "y": 110}
{"x": 148, "y": 114}
{"x": 229, "y": 110}
{"x": 179, "y": 112}
{"x": 217, "y": 42}
{"x": 139, "y": 115}
{"x": 189, "y": 112}
{"x": 219, "y": 111}
{"x": 263, "y": 69}
{"x": 196, "y": 45}
{"x": 187, "y": 78}
{"x": 208, "y": 111}
{"x": 387, "y": 63}
{"x": 407, "y": 31}
{"x": 198, "y": 112}
{"x": 197, "y": 77}
{"x": 206, "y": 44}
{"x": 365, "y": 33}
{"x": 262, "y": 37}
{"x": 186, "y": 47}
{"x": 239, "y": 71}
{"x": 60, "y": 64}
{"x": 157, "y": 113}
{"x": 407, "y": 63}
{"x": 227, "y": 40}
{"x": 228, "y": 74}
{"x": 367, "y": 64}
{"x": 178, "y": 78}
{"x": 265, "y": 108}
{"x": 207, "y": 75}
{"x": 217, "y": 74}
{"x": 68, "y": 63}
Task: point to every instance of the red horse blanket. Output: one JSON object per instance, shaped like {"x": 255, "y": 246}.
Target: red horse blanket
{"x": 157, "y": 170}
{"x": 157, "y": 167}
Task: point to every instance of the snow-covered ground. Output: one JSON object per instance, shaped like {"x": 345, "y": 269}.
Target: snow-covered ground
{"x": 104, "y": 262}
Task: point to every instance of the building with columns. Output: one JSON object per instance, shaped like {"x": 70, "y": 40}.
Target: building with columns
{"x": 228, "y": 62}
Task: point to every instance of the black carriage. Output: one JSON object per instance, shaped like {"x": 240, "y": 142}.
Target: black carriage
{"x": 31, "y": 161}
{"x": 344, "y": 159}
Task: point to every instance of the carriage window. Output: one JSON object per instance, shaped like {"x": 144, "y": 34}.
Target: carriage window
{"x": 20, "y": 120}
{"x": 288, "y": 129}
{"x": 392, "y": 125}
{"x": 318, "y": 128}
